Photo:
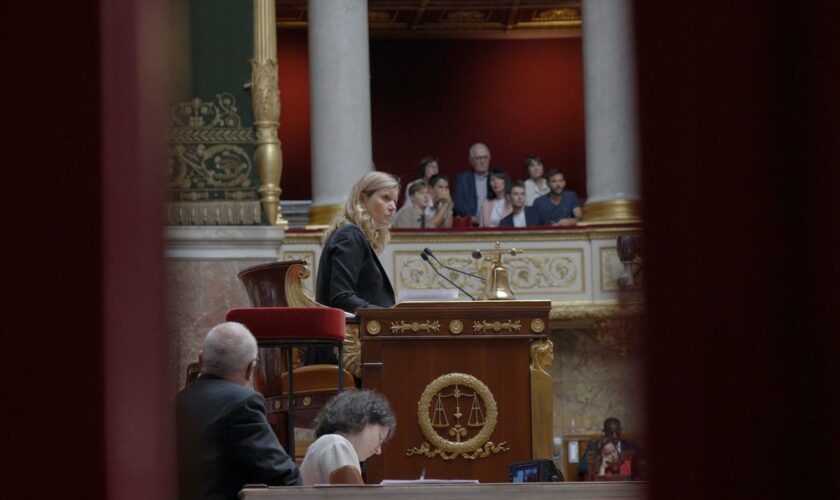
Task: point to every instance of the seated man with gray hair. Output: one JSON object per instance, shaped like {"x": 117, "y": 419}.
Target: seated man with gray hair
{"x": 224, "y": 439}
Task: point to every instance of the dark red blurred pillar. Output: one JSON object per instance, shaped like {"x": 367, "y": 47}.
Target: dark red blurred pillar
{"x": 85, "y": 403}
{"x": 740, "y": 171}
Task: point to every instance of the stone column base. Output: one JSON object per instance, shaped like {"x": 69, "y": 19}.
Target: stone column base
{"x": 322, "y": 215}
{"x": 612, "y": 212}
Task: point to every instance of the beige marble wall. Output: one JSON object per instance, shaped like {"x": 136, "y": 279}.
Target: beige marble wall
{"x": 593, "y": 382}
{"x": 200, "y": 292}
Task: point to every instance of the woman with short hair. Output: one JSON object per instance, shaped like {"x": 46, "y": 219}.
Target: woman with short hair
{"x": 350, "y": 428}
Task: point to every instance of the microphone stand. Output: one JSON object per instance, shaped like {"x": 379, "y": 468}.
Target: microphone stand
{"x": 428, "y": 252}
{"x": 425, "y": 257}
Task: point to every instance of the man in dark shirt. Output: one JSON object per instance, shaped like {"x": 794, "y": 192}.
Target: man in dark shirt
{"x": 612, "y": 434}
{"x": 560, "y": 207}
{"x": 224, "y": 439}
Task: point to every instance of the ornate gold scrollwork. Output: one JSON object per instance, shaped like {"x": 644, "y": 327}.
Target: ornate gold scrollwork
{"x": 542, "y": 355}
{"x": 482, "y": 418}
{"x": 456, "y": 326}
{"x": 353, "y": 351}
{"x": 428, "y": 326}
{"x": 497, "y": 326}
{"x": 373, "y": 327}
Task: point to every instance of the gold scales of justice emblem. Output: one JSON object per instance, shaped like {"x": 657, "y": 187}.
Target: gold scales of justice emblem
{"x": 445, "y": 426}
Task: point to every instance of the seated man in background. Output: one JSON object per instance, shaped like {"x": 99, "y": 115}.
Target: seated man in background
{"x": 472, "y": 186}
{"x": 413, "y": 214}
{"x": 442, "y": 205}
{"x": 612, "y": 434}
{"x": 224, "y": 440}
{"x": 522, "y": 215}
{"x": 560, "y": 207}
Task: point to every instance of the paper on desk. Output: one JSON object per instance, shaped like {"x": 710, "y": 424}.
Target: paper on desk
{"x": 431, "y": 294}
{"x": 391, "y": 482}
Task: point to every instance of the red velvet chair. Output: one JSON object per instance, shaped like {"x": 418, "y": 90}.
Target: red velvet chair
{"x": 287, "y": 328}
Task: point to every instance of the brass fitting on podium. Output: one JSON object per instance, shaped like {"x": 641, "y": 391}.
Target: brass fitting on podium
{"x": 497, "y": 285}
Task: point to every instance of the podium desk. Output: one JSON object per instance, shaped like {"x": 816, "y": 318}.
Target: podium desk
{"x": 612, "y": 490}
{"x": 467, "y": 382}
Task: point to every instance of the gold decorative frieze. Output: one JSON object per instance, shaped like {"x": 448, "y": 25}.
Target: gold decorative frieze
{"x": 213, "y": 213}
{"x": 414, "y": 327}
{"x": 456, "y": 326}
{"x": 541, "y": 271}
{"x": 464, "y": 16}
{"x": 550, "y": 15}
{"x": 451, "y": 394}
{"x": 497, "y": 326}
{"x": 373, "y": 327}
{"x": 195, "y": 120}
{"x": 209, "y": 164}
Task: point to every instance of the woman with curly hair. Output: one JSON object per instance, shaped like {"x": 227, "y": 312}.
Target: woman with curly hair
{"x": 350, "y": 276}
{"x": 351, "y": 427}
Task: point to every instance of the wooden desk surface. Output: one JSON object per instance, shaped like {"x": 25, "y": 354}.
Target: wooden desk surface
{"x": 488, "y": 491}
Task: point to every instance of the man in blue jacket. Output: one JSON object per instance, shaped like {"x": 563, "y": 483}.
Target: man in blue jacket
{"x": 471, "y": 187}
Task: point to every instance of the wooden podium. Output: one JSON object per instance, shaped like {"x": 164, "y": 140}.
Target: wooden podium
{"x": 467, "y": 382}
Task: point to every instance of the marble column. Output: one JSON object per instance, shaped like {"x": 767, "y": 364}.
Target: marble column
{"x": 339, "y": 75}
{"x": 612, "y": 159}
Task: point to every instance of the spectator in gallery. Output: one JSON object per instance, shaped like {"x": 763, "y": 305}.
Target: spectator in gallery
{"x": 536, "y": 185}
{"x": 522, "y": 215}
{"x": 612, "y": 434}
{"x": 428, "y": 167}
{"x": 441, "y": 211}
{"x": 613, "y": 463}
{"x": 350, "y": 275}
{"x": 497, "y": 206}
{"x": 472, "y": 187}
{"x": 413, "y": 214}
{"x": 560, "y": 207}
{"x": 350, "y": 428}
{"x": 224, "y": 440}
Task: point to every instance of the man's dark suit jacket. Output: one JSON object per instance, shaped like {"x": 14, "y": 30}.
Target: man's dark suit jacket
{"x": 224, "y": 441}
{"x": 350, "y": 277}
{"x": 530, "y": 218}
{"x": 465, "y": 198}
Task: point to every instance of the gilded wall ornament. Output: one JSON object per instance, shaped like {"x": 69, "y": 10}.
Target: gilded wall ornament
{"x": 444, "y": 426}
{"x": 353, "y": 351}
{"x": 414, "y": 327}
{"x": 374, "y": 327}
{"x": 542, "y": 355}
{"x": 497, "y": 326}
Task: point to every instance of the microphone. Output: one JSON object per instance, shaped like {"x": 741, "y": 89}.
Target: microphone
{"x": 425, "y": 257}
{"x": 428, "y": 252}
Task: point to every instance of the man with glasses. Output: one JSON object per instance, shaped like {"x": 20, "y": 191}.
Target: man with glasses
{"x": 224, "y": 440}
{"x": 471, "y": 187}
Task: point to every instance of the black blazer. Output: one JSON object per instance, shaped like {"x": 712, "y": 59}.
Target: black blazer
{"x": 350, "y": 275}
{"x": 224, "y": 441}
{"x": 530, "y": 218}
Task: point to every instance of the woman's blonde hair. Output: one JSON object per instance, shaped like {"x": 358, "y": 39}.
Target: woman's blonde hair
{"x": 354, "y": 211}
